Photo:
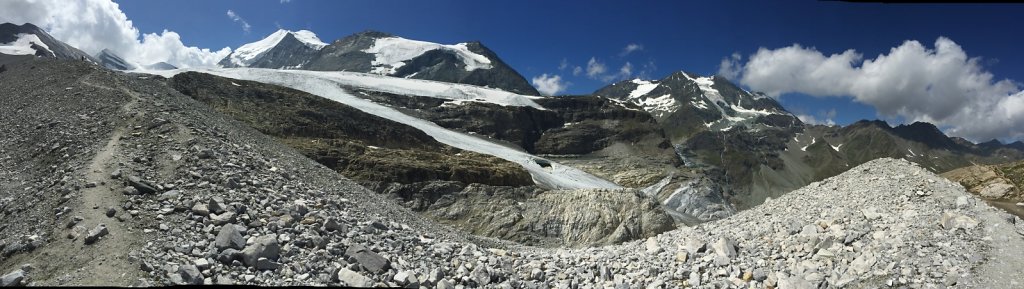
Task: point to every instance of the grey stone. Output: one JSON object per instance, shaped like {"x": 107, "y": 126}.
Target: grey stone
{"x": 862, "y": 264}
{"x": 953, "y": 220}
{"x": 445, "y": 284}
{"x": 367, "y": 259}
{"x": 229, "y": 237}
{"x": 200, "y": 209}
{"x": 351, "y": 278}
{"x": 406, "y": 278}
{"x": 265, "y": 246}
{"x": 480, "y": 275}
{"x": 265, "y": 264}
{"x": 725, "y": 247}
{"x": 229, "y": 255}
{"x": 216, "y": 205}
{"x": 226, "y": 217}
{"x": 190, "y": 275}
{"x": 144, "y": 187}
{"x": 96, "y": 233}
{"x": 111, "y": 211}
{"x": 12, "y": 279}
{"x": 332, "y": 224}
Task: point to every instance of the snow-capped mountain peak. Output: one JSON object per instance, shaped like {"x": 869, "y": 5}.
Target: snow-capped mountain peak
{"x": 252, "y": 52}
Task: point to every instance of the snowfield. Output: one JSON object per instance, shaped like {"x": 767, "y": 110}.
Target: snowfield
{"x": 392, "y": 52}
{"x": 329, "y": 85}
{"x": 23, "y": 45}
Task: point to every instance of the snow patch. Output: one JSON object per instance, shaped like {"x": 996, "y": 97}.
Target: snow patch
{"x": 23, "y": 45}
{"x": 643, "y": 87}
{"x": 813, "y": 140}
{"x": 837, "y": 147}
{"x": 392, "y": 52}
{"x": 658, "y": 106}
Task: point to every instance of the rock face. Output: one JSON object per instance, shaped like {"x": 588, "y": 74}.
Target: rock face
{"x": 111, "y": 60}
{"x": 564, "y": 217}
{"x": 992, "y": 182}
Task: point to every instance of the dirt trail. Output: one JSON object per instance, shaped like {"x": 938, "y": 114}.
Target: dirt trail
{"x": 106, "y": 262}
{"x": 1004, "y": 264}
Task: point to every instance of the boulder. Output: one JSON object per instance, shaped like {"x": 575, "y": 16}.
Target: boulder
{"x": 229, "y": 237}
{"x": 144, "y": 187}
{"x": 367, "y": 259}
{"x": 351, "y": 278}
{"x": 12, "y": 279}
{"x": 96, "y": 233}
{"x": 265, "y": 246}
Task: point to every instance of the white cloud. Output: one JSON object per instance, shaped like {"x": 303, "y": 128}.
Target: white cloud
{"x": 826, "y": 118}
{"x": 941, "y": 85}
{"x": 624, "y": 72}
{"x": 92, "y": 25}
{"x": 730, "y": 67}
{"x": 595, "y": 69}
{"x": 285, "y": 1}
{"x": 577, "y": 71}
{"x": 238, "y": 19}
{"x": 550, "y": 85}
{"x": 564, "y": 64}
{"x": 632, "y": 47}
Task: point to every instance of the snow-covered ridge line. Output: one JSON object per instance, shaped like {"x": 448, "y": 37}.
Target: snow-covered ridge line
{"x": 392, "y": 52}
{"x": 248, "y": 53}
{"x": 329, "y": 85}
{"x": 396, "y": 85}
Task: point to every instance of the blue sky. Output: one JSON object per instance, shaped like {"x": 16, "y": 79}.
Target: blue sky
{"x": 535, "y": 37}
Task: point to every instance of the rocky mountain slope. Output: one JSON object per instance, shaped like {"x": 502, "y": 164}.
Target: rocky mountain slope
{"x": 384, "y": 54}
{"x": 1000, "y": 182}
{"x": 134, "y": 183}
{"x": 756, "y": 149}
{"x": 111, "y": 60}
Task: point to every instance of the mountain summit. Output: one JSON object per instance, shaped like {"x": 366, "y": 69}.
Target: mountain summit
{"x": 383, "y": 54}
{"x": 281, "y": 49}
{"x": 686, "y": 103}
{"x": 28, "y": 39}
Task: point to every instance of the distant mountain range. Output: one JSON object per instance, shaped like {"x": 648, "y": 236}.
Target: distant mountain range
{"x": 687, "y": 132}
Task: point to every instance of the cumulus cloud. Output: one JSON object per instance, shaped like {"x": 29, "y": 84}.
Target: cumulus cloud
{"x": 241, "y": 21}
{"x": 941, "y": 85}
{"x": 632, "y": 47}
{"x": 595, "y": 68}
{"x": 550, "y": 85}
{"x": 577, "y": 71}
{"x": 92, "y": 25}
{"x": 824, "y": 119}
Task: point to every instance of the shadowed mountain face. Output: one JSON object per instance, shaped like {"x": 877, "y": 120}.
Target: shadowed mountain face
{"x": 359, "y": 145}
